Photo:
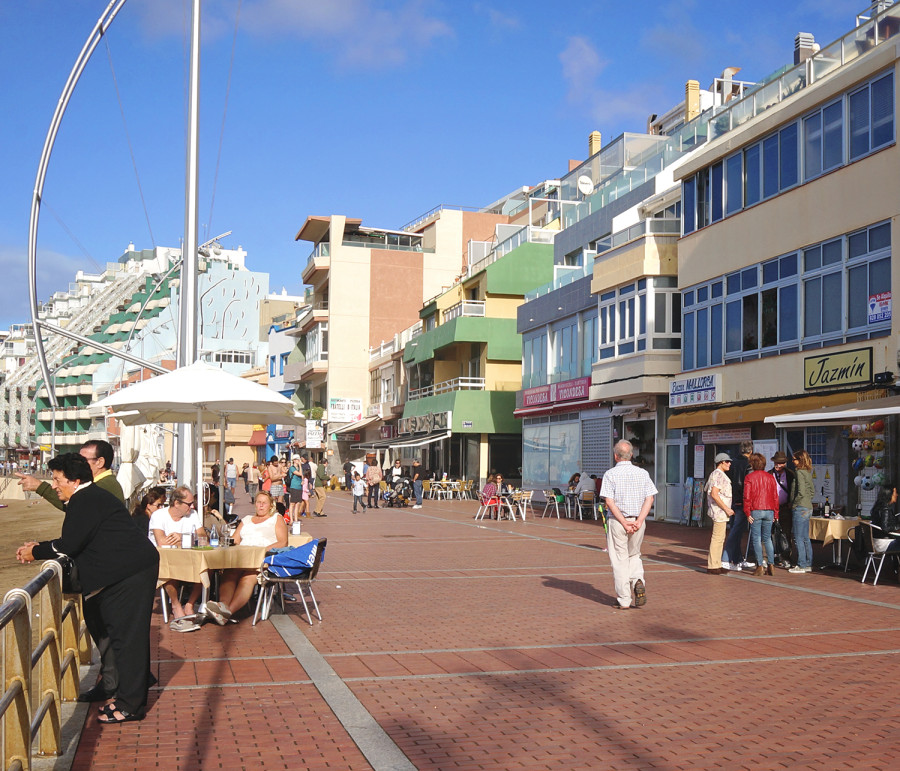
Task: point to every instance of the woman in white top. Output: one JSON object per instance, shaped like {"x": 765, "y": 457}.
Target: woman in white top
{"x": 264, "y": 528}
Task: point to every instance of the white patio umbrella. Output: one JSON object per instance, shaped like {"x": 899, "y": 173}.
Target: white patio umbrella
{"x": 130, "y": 477}
{"x": 200, "y": 393}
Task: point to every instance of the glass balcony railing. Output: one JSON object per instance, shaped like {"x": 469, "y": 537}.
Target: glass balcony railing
{"x": 528, "y": 234}
{"x": 648, "y": 227}
{"x": 872, "y": 31}
{"x": 322, "y": 249}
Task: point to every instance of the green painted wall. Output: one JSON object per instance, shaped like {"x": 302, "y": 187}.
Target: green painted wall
{"x": 490, "y": 412}
{"x": 503, "y": 342}
{"x": 525, "y": 268}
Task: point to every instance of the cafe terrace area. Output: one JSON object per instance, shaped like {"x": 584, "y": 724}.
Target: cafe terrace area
{"x": 451, "y": 643}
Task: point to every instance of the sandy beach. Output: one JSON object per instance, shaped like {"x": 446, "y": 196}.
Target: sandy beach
{"x": 21, "y": 521}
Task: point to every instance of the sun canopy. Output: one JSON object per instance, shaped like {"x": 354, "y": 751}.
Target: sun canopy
{"x": 200, "y": 390}
{"x": 841, "y": 414}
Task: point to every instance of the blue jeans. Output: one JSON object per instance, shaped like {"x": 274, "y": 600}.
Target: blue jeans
{"x": 417, "y": 489}
{"x": 761, "y": 534}
{"x": 801, "y": 536}
{"x": 731, "y": 552}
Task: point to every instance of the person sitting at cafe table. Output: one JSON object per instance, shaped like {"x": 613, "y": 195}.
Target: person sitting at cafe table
{"x": 266, "y": 528}
{"x": 167, "y": 527}
{"x": 884, "y": 517}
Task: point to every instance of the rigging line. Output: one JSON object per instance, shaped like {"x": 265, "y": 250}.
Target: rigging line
{"x": 212, "y": 203}
{"x": 137, "y": 176}
{"x": 71, "y": 235}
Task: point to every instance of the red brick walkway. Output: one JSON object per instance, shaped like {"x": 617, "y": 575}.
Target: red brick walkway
{"x": 486, "y": 645}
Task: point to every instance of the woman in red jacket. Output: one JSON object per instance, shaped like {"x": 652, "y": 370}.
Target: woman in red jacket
{"x": 761, "y": 508}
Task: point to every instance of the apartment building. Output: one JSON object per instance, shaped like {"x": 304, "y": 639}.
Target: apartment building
{"x": 367, "y": 285}
{"x": 790, "y": 212}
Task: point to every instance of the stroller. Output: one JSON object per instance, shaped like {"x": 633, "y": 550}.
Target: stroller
{"x": 399, "y": 494}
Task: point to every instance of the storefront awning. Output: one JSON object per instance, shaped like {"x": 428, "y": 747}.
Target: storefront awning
{"x": 755, "y": 412}
{"x": 841, "y": 414}
{"x": 352, "y": 428}
{"x": 257, "y": 438}
{"x": 397, "y": 442}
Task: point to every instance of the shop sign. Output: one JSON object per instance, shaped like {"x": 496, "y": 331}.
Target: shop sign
{"x": 467, "y": 424}
{"x": 567, "y": 391}
{"x": 838, "y": 369}
{"x": 425, "y": 424}
{"x": 725, "y": 435}
{"x": 342, "y": 410}
{"x": 315, "y": 434}
{"x": 373, "y": 410}
{"x": 689, "y": 391}
{"x": 284, "y": 434}
{"x": 699, "y": 460}
{"x": 388, "y": 432}
{"x": 879, "y": 307}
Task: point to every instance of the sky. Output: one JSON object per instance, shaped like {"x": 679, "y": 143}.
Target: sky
{"x": 376, "y": 109}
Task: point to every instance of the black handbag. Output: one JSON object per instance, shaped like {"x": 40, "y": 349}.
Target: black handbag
{"x": 71, "y": 583}
{"x": 780, "y": 541}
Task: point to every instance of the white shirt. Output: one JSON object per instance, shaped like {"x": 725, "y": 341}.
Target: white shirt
{"x": 231, "y": 469}
{"x": 628, "y": 486}
{"x": 162, "y": 520}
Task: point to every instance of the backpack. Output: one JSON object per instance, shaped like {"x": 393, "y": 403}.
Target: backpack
{"x": 294, "y": 562}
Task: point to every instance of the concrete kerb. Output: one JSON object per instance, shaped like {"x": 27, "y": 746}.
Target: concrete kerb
{"x": 372, "y": 740}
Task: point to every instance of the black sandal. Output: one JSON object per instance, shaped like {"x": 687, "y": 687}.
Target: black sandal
{"x": 109, "y": 713}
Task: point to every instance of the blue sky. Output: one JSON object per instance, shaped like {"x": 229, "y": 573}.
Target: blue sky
{"x": 373, "y": 109}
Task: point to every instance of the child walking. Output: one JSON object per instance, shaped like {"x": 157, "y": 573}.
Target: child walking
{"x": 359, "y": 491}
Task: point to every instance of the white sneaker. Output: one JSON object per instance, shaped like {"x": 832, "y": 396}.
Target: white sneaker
{"x": 731, "y": 566}
{"x": 748, "y": 564}
{"x": 417, "y": 507}
{"x": 807, "y": 570}
{"x": 796, "y": 569}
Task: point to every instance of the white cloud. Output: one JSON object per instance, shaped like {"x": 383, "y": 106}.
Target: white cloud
{"x": 498, "y": 18}
{"x": 54, "y": 272}
{"x": 618, "y": 109}
{"x": 370, "y": 33}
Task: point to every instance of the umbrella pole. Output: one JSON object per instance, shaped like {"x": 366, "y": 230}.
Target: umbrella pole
{"x": 198, "y": 447}
{"x": 222, "y": 467}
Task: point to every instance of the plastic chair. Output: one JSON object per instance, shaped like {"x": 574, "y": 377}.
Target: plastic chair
{"x": 486, "y": 505}
{"x": 874, "y": 552}
{"x": 585, "y": 501}
{"x": 268, "y": 583}
{"x": 551, "y": 499}
{"x": 525, "y": 503}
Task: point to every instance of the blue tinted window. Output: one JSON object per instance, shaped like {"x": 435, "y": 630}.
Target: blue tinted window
{"x": 715, "y": 334}
{"x": 770, "y": 166}
{"x": 752, "y": 175}
{"x": 734, "y": 184}
{"x": 717, "y": 192}
{"x": 734, "y": 283}
{"x": 788, "y": 266}
{"x": 789, "y": 152}
{"x": 689, "y": 194}
{"x": 702, "y": 294}
{"x": 883, "y": 111}
{"x": 687, "y": 350}
{"x": 787, "y": 313}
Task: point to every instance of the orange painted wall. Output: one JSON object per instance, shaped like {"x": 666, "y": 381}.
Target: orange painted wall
{"x": 395, "y": 293}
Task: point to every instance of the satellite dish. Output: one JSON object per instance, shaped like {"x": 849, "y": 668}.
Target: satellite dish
{"x": 585, "y": 185}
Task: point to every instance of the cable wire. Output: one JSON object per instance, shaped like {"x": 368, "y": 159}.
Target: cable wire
{"x": 137, "y": 176}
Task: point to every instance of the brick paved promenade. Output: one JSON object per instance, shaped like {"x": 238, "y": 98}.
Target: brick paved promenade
{"x": 454, "y": 644}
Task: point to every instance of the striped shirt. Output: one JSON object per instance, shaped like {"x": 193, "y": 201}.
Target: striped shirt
{"x": 628, "y": 486}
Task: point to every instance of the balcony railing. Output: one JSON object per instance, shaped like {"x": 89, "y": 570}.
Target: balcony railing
{"x": 431, "y": 213}
{"x": 464, "y": 308}
{"x": 385, "y": 349}
{"x": 870, "y": 33}
{"x": 447, "y": 386}
{"x": 527, "y": 235}
{"x": 313, "y": 356}
{"x": 671, "y": 227}
{"x": 322, "y": 249}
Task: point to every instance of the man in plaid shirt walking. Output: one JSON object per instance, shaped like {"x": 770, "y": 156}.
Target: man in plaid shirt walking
{"x": 629, "y": 494}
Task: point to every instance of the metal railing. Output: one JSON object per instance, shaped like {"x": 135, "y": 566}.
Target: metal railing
{"x": 464, "y": 308}
{"x": 411, "y": 225}
{"x": 39, "y": 677}
{"x": 447, "y": 386}
{"x": 376, "y": 352}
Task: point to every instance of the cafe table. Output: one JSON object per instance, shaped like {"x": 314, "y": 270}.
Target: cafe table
{"x": 194, "y": 565}
{"x": 831, "y": 530}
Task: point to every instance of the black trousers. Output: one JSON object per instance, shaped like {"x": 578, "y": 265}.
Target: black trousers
{"x": 125, "y": 609}
{"x": 374, "y": 492}
{"x": 109, "y": 675}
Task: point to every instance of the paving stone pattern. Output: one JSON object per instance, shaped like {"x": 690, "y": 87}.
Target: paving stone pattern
{"x": 494, "y": 645}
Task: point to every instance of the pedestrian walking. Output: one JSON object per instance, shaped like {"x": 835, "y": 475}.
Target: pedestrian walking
{"x": 629, "y": 494}
{"x": 719, "y": 497}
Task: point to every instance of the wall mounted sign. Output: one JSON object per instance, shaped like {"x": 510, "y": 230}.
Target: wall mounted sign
{"x": 838, "y": 369}
{"x": 689, "y": 391}
{"x": 425, "y": 424}
{"x": 566, "y": 391}
{"x": 342, "y": 410}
